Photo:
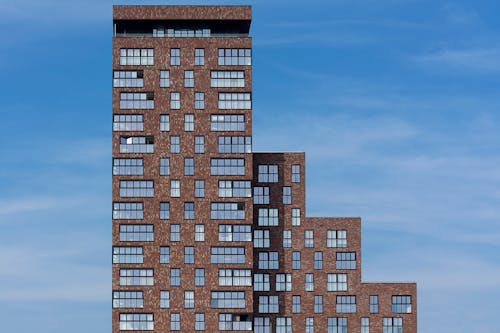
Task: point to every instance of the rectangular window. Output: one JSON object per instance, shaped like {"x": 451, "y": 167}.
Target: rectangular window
{"x": 287, "y": 195}
{"x": 235, "y": 233}
{"x": 175, "y": 232}
{"x": 175, "y": 144}
{"x": 175, "y": 57}
{"x": 199, "y": 100}
{"x": 318, "y": 260}
{"x": 337, "y": 325}
{"x": 318, "y": 304}
{"x": 128, "y": 166}
{"x": 227, "y": 167}
{"x": 260, "y": 238}
{"x": 235, "y": 101}
{"x": 227, "y": 79}
{"x": 199, "y": 144}
{"x": 136, "y": 322}
{"x": 234, "y": 144}
{"x": 165, "y": 78}
{"x": 129, "y": 100}
{"x": 365, "y": 325}
{"x": 268, "y": 304}
{"x": 295, "y": 173}
{"x": 346, "y": 304}
{"x": 336, "y": 238}
{"x": 235, "y": 277}
{"x": 164, "y": 254}
{"x": 189, "y": 122}
{"x": 283, "y": 282}
{"x": 199, "y": 57}
{"x": 188, "y": 166}
{"x": 189, "y": 254}
{"x": 136, "y": 188}
{"x": 262, "y": 325}
{"x": 199, "y": 188}
{"x": 268, "y": 174}
{"x": 296, "y": 304}
{"x": 296, "y": 260}
{"x": 373, "y": 304}
{"x": 127, "y": 255}
{"x": 128, "y": 122}
{"x": 128, "y": 210}
{"x": 175, "y": 188}
{"x": 188, "y": 299}
{"x": 309, "y": 238}
{"x": 128, "y": 299}
{"x": 261, "y": 282}
{"x": 235, "y": 189}
{"x": 175, "y": 321}
{"x": 227, "y": 255}
{"x": 175, "y": 276}
{"x": 346, "y": 260}
{"x": 188, "y": 79}
{"x": 295, "y": 216}
{"x": 283, "y": 325}
{"x": 261, "y": 195}
{"x": 136, "y": 233}
{"x": 136, "y": 277}
{"x": 165, "y": 166}
{"x": 235, "y": 57}
{"x": 268, "y": 260}
{"x": 227, "y": 299}
{"x": 164, "y": 122}
{"x": 199, "y": 277}
{"x": 136, "y": 57}
{"x": 199, "y": 233}
{"x": 227, "y": 210}
{"x": 309, "y": 325}
{"x": 199, "y": 321}
{"x": 227, "y": 122}
{"x": 175, "y": 100}
{"x": 128, "y": 79}
{"x": 234, "y": 322}
{"x": 268, "y": 216}
{"x": 392, "y": 325}
{"x": 136, "y": 144}
{"x": 164, "y": 210}
{"x": 287, "y": 238}
{"x": 309, "y": 282}
{"x": 164, "y": 299}
{"x": 401, "y": 304}
{"x": 336, "y": 282}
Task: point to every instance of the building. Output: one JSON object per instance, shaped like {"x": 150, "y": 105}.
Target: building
{"x": 208, "y": 235}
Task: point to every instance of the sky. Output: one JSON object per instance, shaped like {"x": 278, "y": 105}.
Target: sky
{"x": 395, "y": 102}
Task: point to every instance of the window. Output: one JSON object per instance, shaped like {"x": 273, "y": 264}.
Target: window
{"x": 235, "y": 57}
{"x": 130, "y": 100}
{"x": 235, "y": 233}
{"x": 199, "y": 100}
{"x": 199, "y": 188}
{"x": 175, "y": 276}
{"x": 188, "y": 299}
{"x": 164, "y": 299}
{"x": 336, "y": 238}
{"x": 346, "y": 304}
{"x": 199, "y": 277}
{"x": 234, "y": 189}
{"x": 189, "y": 79}
{"x": 128, "y": 122}
{"x": 175, "y": 100}
{"x": 268, "y": 304}
{"x": 164, "y": 255}
{"x": 268, "y": 217}
{"x": 165, "y": 78}
{"x": 268, "y": 174}
{"x": 137, "y": 57}
{"x": 227, "y": 79}
{"x": 136, "y": 188}
{"x": 287, "y": 238}
{"x": 188, "y": 166}
{"x": 296, "y": 304}
{"x": 175, "y": 321}
{"x": 199, "y": 57}
{"x": 283, "y": 325}
{"x": 189, "y": 122}
{"x": 261, "y": 282}
{"x": 136, "y": 277}
{"x": 296, "y": 216}
{"x": 175, "y": 57}
{"x": 227, "y": 255}
{"x": 164, "y": 210}
{"x": 260, "y": 238}
{"x": 268, "y": 260}
{"x": 128, "y": 210}
{"x": 261, "y": 195}
{"x": 227, "y": 299}
{"x": 175, "y": 232}
{"x": 337, "y": 325}
{"x": 164, "y": 122}
{"x": 128, "y": 166}
{"x": 136, "y": 233}
{"x": 262, "y": 325}
{"x": 287, "y": 195}
{"x": 295, "y": 173}
{"x": 199, "y": 321}
{"x": 235, "y": 277}
{"x": 199, "y": 144}
{"x": 309, "y": 325}
{"x": 295, "y": 260}
{"x": 318, "y": 304}
{"x": 189, "y": 254}
{"x": 283, "y": 282}
{"x": 346, "y": 260}
{"x": 365, "y": 325}
{"x": 128, "y": 299}
{"x": 235, "y": 101}
{"x": 136, "y": 322}
{"x": 308, "y": 238}
{"x": 227, "y": 210}
{"x": 227, "y": 167}
{"x": 127, "y": 255}
{"x": 309, "y": 282}
{"x": 184, "y": 32}
{"x": 199, "y": 233}
{"x": 234, "y": 322}
{"x": 136, "y": 144}
{"x": 175, "y": 144}
{"x": 401, "y": 304}
{"x": 392, "y": 325}
{"x": 373, "y": 304}
{"x": 165, "y": 166}
{"x": 175, "y": 188}
{"x": 318, "y": 260}
{"x": 234, "y": 144}
{"x": 336, "y": 282}
{"x": 128, "y": 79}
{"x": 227, "y": 122}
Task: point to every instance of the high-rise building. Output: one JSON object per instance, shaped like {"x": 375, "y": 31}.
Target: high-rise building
{"x": 208, "y": 235}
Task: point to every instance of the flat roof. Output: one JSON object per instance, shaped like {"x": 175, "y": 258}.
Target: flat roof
{"x": 145, "y": 12}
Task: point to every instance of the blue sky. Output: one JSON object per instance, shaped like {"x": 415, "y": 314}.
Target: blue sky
{"x": 396, "y": 104}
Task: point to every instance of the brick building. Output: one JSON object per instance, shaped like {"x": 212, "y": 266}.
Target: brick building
{"x": 208, "y": 235}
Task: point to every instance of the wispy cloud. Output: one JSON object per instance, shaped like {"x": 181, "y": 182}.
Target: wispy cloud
{"x": 481, "y": 60}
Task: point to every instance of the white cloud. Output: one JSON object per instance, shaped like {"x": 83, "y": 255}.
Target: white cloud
{"x": 482, "y": 59}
